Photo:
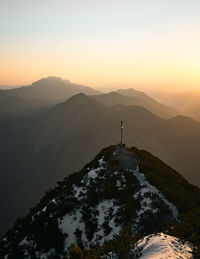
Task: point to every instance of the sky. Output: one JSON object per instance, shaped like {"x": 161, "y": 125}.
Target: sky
{"x": 101, "y": 43}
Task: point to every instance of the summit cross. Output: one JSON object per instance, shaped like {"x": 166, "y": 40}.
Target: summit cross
{"x": 122, "y": 126}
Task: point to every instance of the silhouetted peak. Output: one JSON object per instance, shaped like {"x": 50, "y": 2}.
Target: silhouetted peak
{"x": 78, "y": 97}
{"x": 53, "y": 78}
{"x": 183, "y": 120}
{"x": 79, "y": 102}
{"x": 131, "y": 92}
{"x": 47, "y": 81}
{"x": 113, "y": 93}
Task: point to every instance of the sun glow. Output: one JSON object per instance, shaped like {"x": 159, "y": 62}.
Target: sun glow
{"x": 145, "y": 42}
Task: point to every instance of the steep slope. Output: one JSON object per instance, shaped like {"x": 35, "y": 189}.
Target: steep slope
{"x": 135, "y": 93}
{"x": 163, "y": 246}
{"x": 50, "y": 91}
{"x": 33, "y": 149}
{"x": 94, "y": 204}
{"x": 15, "y": 105}
{"x": 66, "y": 137}
{"x": 144, "y": 100}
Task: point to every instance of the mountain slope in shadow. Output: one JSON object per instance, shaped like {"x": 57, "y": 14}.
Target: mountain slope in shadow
{"x": 38, "y": 151}
{"x": 133, "y": 97}
{"x": 50, "y": 91}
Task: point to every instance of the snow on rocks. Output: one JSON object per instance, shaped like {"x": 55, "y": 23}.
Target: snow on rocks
{"x": 158, "y": 246}
{"x": 94, "y": 173}
{"x": 104, "y": 212}
{"x": 27, "y": 244}
{"x": 146, "y": 201}
{"x": 53, "y": 201}
{"x": 162, "y": 246}
{"x": 49, "y": 254}
{"x": 72, "y": 222}
{"x": 69, "y": 224}
{"x": 121, "y": 183}
{"x": 110, "y": 255}
{"x": 95, "y": 205}
{"x": 44, "y": 209}
{"x": 91, "y": 175}
{"x": 106, "y": 209}
{"x": 101, "y": 162}
{"x": 79, "y": 190}
{"x": 40, "y": 211}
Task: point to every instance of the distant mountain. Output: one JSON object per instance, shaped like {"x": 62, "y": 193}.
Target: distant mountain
{"x": 135, "y": 93}
{"x": 133, "y": 97}
{"x": 93, "y": 205}
{"x": 51, "y": 90}
{"x": 36, "y": 151}
{"x": 7, "y": 86}
{"x": 13, "y": 104}
{"x": 186, "y": 103}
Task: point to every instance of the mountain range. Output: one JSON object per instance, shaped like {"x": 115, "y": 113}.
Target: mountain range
{"x": 14, "y": 105}
{"x": 93, "y": 206}
{"x": 133, "y": 97}
{"x": 41, "y": 147}
{"x": 50, "y": 91}
{"x": 184, "y": 102}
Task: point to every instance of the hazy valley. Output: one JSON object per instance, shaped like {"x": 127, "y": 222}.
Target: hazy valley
{"x": 53, "y": 128}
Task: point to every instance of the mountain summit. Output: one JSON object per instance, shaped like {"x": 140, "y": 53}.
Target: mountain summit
{"x": 134, "y": 97}
{"x": 93, "y": 205}
{"x": 51, "y": 90}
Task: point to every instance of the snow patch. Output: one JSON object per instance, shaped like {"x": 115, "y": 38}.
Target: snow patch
{"x": 162, "y": 246}
{"x": 44, "y": 209}
{"x": 47, "y": 255}
{"x": 146, "y": 201}
{"x": 53, "y": 201}
{"x": 101, "y": 162}
{"x": 121, "y": 183}
{"x": 94, "y": 173}
{"x": 26, "y": 242}
{"x": 72, "y": 222}
{"x": 106, "y": 209}
{"x": 78, "y": 191}
{"x": 158, "y": 246}
{"x": 69, "y": 224}
{"x": 118, "y": 184}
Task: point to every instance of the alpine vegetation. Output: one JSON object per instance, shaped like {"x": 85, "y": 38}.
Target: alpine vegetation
{"x": 91, "y": 208}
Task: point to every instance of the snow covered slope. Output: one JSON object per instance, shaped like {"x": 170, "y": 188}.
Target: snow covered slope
{"x": 163, "y": 246}
{"x": 157, "y": 246}
{"x": 96, "y": 203}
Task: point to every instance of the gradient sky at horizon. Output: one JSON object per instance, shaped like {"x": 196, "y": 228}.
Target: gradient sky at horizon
{"x": 101, "y": 43}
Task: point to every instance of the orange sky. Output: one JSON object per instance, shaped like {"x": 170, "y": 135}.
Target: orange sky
{"x": 149, "y": 43}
